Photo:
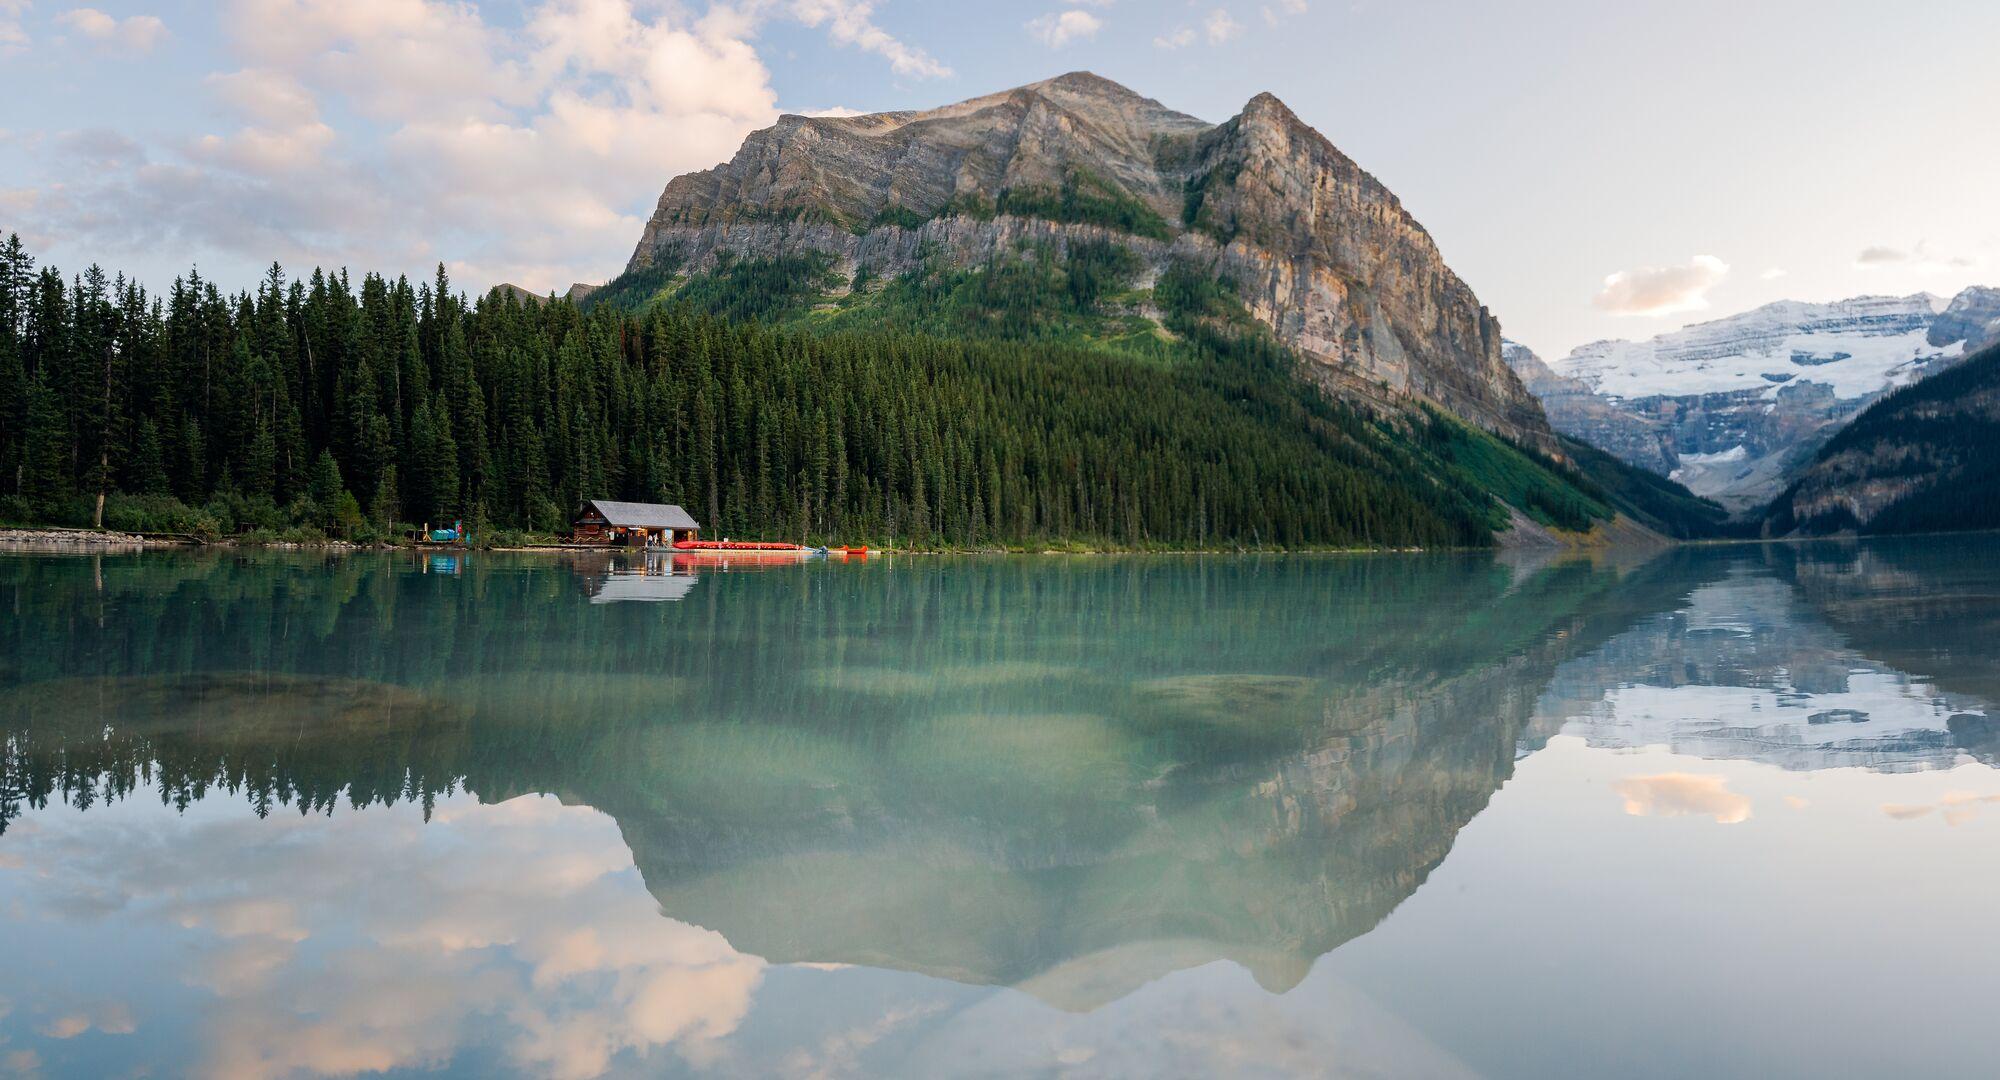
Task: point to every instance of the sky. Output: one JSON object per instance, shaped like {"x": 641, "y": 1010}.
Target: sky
{"x": 1592, "y": 170}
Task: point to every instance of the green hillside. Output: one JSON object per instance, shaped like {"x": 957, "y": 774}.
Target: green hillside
{"x": 1092, "y": 297}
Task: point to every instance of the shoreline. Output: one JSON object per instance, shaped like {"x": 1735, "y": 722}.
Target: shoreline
{"x": 57, "y": 538}
{"x": 54, "y": 539}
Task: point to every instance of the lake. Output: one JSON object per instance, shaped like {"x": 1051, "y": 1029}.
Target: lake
{"x": 1726, "y": 811}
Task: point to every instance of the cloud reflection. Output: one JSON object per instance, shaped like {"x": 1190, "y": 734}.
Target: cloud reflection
{"x": 378, "y": 943}
{"x": 1681, "y": 794}
{"x": 1957, "y": 807}
{"x": 111, "y": 1018}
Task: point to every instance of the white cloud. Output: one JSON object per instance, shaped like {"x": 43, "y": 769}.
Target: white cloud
{"x": 134, "y": 33}
{"x": 527, "y": 152}
{"x": 1773, "y": 273}
{"x": 1220, "y": 26}
{"x": 1661, "y": 290}
{"x": 1217, "y": 28}
{"x": 267, "y": 97}
{"x": 1920, "y": 258}
{"x": 1056, "y": 30}
{"x": 850, "y": 22}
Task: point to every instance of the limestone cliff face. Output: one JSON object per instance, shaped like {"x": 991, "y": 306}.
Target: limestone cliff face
{"x": 1320, "y": 251}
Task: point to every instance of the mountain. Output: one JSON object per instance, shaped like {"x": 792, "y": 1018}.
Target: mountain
{"x": 1732, "y": 407}
{"x": 1589, "y": 416}
{"x": 1925, "y": 458}
{"x": 1074, "y": 213}
{"x": 521, "y": 294}
{"x": 1316, "y": 249}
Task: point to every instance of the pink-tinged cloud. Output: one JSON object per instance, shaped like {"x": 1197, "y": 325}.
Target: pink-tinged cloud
{"x": 1661, "y": 290}
{"x": 1683, "y": 795}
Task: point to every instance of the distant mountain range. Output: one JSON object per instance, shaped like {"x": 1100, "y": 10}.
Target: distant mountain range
{"x": 1734, "y": 407}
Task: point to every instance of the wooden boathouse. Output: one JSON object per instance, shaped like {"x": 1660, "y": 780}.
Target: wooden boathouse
{"x": 602, "y": 521}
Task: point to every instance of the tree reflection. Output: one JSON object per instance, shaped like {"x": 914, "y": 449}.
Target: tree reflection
{"x": 998, "y": 771}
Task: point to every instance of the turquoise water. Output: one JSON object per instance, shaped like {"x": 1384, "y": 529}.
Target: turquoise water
{"x": 1725, "y": 811}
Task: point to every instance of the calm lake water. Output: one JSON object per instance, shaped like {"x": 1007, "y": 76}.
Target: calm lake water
{"x": 1722, "y": 812}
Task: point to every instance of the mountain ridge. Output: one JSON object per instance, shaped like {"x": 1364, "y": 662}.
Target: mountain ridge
{"x": 1920, "y": 459}
{"x": 1734, "y": 406}
{"x": 1318, "y": 249}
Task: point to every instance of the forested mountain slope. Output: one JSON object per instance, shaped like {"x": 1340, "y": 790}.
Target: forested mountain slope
{"x": 1923, "y": 459}
{"x": 310, "y": 404}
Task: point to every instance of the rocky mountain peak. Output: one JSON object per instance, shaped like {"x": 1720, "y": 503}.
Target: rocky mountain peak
{"x": 1267, "y": 108}
{"x": 1320, "y": 251}
{"x": 1973, "y": 316}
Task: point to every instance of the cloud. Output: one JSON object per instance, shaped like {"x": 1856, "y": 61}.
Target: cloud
{"x": 266, "y": 97}
{"x": 391, "y": 134}
{"x": 849, "y": 22}
{"x": 1217, "y": 28}
{"x": 527, "y": 152}
{"x": 1056, "y": 30}
{"x": 13, "y": 36}
{"x": 1274, "y": 14}
{"x": 1681, "y": 794}
{"x": 1919, "y": 258}
{"x": 110, "y": 1018}
{"x": 1220, "y": 26}
{"x": 1772, "y": 273}
{"x": 133, "y": 34}
{"x": 99, "y": 148}
{"x": 1661, "y": 290}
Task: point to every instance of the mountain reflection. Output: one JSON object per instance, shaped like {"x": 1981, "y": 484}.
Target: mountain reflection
{"x": 1069, "y": 777}
{"x": 1816, "y": 657}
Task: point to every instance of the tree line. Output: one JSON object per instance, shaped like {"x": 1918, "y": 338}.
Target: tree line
{"x": 319, "y": 405}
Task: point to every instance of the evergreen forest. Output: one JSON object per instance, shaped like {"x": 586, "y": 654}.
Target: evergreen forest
{"x": 1017, "y": 405}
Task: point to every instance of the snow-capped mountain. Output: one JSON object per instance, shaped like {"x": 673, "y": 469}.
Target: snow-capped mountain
{"x": 1729, "y": 407}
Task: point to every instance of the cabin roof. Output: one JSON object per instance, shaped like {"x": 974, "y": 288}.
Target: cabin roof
{"x": 629, "y": 515}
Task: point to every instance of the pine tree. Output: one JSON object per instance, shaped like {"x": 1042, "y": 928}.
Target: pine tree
{"x": 45, "y": 453}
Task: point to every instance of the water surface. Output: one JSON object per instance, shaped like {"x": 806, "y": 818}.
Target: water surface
{"x": 1726, "y": 811}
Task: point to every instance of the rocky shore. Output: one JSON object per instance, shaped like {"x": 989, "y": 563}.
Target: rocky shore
{"x": 78, "y": 539}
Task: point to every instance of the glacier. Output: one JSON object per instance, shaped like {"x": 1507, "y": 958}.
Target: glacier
{"x": 1732, "y": 406}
